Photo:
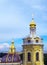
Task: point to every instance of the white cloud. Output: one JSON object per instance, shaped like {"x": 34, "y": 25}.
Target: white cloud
{"x": 4, "y": 47}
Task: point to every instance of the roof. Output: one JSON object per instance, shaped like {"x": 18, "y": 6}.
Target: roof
{"x": 10, "y": 58}
{"x": 32, "y": 22}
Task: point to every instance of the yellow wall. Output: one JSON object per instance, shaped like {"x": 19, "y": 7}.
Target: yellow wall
{"x": 33, "y": 48}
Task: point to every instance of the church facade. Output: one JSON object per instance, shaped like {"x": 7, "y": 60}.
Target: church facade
{"x": 32, "y": 50}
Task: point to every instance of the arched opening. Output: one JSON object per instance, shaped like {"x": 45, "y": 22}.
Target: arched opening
{"x": 37, "y": 41}
{"x": 37, "y": 56}
{"x": 29, "y": 56}
{"x": 29, "y": 41}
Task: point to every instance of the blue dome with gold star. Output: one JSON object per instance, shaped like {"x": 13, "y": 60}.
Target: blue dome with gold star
{"x": 11, "y": 58}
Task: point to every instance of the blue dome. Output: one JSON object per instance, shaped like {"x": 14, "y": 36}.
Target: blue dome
{"x": 11, "y": 58}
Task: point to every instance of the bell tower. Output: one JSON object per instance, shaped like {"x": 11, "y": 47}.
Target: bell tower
{"x": 33, "y": 48}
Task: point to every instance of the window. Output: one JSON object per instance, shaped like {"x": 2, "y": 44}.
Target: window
{"x": 29, "y": 41}
{"x": 36, "y": 41}
{"x": 37, "y": 56}
{"x": 29, "y": 56}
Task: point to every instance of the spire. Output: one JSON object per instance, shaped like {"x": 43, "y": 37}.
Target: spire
{"x": 32, "y": 22}
{"x": 32, "y": 16}
{"x": 32, "y": 27}
{"x": 12, "y": 41}
{"x": 12, "y": 48}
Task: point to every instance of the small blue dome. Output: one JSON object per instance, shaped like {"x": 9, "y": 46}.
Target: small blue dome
{"x": 11, "y": 58}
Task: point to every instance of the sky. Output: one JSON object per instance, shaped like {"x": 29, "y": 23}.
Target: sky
{"x": 15, "y": 17}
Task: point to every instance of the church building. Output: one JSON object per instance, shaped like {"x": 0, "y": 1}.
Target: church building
{"x": 33, "y": 47}
{"x": 32, "y": 50}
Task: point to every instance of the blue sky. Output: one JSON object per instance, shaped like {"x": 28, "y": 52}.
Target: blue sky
{"x": 15, "y": 17}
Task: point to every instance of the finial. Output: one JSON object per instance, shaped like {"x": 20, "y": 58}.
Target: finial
{"x": 32, "y": 22}
{"x": 12, "y": 40}
{"x": 32, "y": 16}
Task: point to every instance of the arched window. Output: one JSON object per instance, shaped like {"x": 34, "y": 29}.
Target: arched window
{"x": 37, "y": 41}
{"x": 29, "y": 41}
{"x": 29, "y": 56}
{"x": 37, "y": 56}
